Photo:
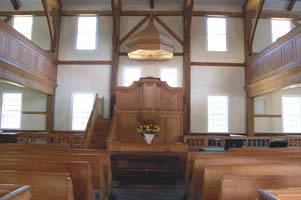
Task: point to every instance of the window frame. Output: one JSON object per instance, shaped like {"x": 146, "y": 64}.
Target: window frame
{"x": 96, "y": 35}
{"x": 123, "y": 74}
{"x": 32, "y": 24}
{"x": 72, "y": 103}
{"x": 170, "y": 67}
{"x": 227, "y": 35}
{"x": 21, "y": 109}
{"x": 228, "y": 116}
{"x": 282, "y": 113}
{"x": 272, "y": 33}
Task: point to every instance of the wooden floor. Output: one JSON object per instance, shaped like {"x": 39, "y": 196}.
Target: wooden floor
{"x": 148, "y": 191}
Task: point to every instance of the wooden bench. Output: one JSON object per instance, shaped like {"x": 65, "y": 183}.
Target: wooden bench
{"x": 99, "y": 161}
{"x": 277, "y": 194}
{"x": 14, "y": 192}
{"x": 80, "y": 173}
{"x": 265, "y": 149}
{"x": 35, "y": 146}
{"x": 212, "y": 175}
{"x": 246, "y": 187}
{"x": 44, "y": 185}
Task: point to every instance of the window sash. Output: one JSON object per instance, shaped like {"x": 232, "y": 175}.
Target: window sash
{"x": 218, "y": 117}
{"x": 291, "y": 110}
{"x": 130, "y": 75}
{"x": 86, "y": 33}
{"x": 24, "y": 25}
{"x": 280, "y": 28}
{"x": 11, "y": 111}
{"x": 216, "y": 34}
{"x": 170, "y": 75}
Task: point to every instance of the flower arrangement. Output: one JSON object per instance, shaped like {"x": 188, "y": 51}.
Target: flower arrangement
{"x": 148, "y": 129}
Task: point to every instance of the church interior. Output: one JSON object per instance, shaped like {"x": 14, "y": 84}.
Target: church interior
{"x": 150, "y": 99}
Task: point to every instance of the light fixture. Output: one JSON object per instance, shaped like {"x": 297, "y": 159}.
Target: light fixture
{"x": 150, "y": 44}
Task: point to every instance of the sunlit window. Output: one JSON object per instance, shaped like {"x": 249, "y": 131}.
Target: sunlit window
{"x": 23, "y": 24}
{"x": 82, "y": 105}
{"x": 291, "y": 113}
{"x": 218, "y": 114}
{"x": 11, "y": 111}
{"x": 216, "y": 34}
{"x": 130, "y": 75}
{"x": 170, "y": 75}
{"x": 280, "y": 28}
{"x": 86, "y": 33}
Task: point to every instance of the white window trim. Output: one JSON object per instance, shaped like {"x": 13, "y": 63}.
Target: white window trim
{"x": 96, "y": 36}
{"x": 170, "y": 67}
{"x": 21, "y": 110}
{"x": 123, "y": 73}
{"x": 271, "y": 25}
{"x": 31, "y": 30}
{"x": 227, "y": 36}
{"x": 229, "y": 114}
{"x": 72, "y": 102}
{"x": 282, "y": 118}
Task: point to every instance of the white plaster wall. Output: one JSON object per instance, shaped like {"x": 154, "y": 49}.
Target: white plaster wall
{"x": 273, "y": 105}
{"x": 206, "y": 81}
{"x": 31, "y": 101}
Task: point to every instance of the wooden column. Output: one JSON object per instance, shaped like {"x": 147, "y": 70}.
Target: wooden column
{"x": 116, "y": 10}
{"x": 188, "y": 8}
{"x": 50, "y": 113}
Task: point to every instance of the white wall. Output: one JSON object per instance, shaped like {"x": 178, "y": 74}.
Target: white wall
{"x": 273, "y": 106}
{"x": 32, "y": 101}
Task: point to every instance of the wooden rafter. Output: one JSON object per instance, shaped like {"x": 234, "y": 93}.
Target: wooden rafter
{"x": 152, "y": 4}
{"x": 291, "y": 5}
{"x": 253, "y": 6}
{"x": 16, "y": 4}
{"x": 187, "y": 11}
{"x": 116, "y": 10}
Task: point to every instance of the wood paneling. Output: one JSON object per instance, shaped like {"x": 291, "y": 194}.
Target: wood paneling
{"x": 23, "y": 62}
{"x": 276, "y": 67}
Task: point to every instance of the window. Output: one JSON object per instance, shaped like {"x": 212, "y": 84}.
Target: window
{"x": 291, "y": 113}
{"x": 280, "y": 28}
{"x": 216, "y": 34}
{"x": 11, "y": 111}
{"x": 82, "y": 106}
{"x": 130, "y": 75}
{"x": 170, "y": 75}
{"x": 23, "y": 25}
{"x": 217, "y": 114}
{"x": 86, "y": 33}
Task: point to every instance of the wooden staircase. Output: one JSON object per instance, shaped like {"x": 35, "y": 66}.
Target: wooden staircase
{"x": 97, "y": 128}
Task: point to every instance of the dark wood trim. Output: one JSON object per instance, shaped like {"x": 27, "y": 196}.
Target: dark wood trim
{"x": 169, "y": 30}
{"x": 34, "y": 113}
{"x": 84, "y": 62}
{"x": 86, "y": 12}
{"x": 16, "y": 4}
{"x": 175, "y": 54}
{"x": 49, "y": 22}
{"x": 217, "y": 64}
{"x": 267, "y": 116}
{"x": 50, "y": 113}
{"x": 218, "y": 13}
{"x": 291, "y": 5}
{"x": 134, "y": 29}
{"x": 152, "y": 13}
{"x": 152, "y": 4}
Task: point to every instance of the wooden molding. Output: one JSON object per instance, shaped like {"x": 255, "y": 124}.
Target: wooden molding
{"x": 16, "y": 4}
{"x": 267, "y": 116}
{"x": 84, "y": 62}
{"x": 291, "y": 5}
{"x": 34, "y": 113}
{"x": 175, "y": 54}
{"x": 218, "y": 13}
{"x": 217, "y": 64}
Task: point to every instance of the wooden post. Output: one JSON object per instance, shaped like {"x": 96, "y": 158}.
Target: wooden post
{"x": 50, "y": 113}
{"x": 116, "y": 10}
{"x": 250, "y": 116}
{"x": 188, "y": 8}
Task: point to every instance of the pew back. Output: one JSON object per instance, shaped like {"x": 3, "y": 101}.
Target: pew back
{"x": 14, "y": 192}
{"x": 277, "y": 194}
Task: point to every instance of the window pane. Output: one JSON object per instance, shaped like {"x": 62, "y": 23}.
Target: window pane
{"x": 291, "y": 108}
{"x": 217, "y": 114}
{"x": 23, "y": 25}
{"x": 81, "y": 108}
{"x": 11, "y": 110}
{"x": 170, "y": 75}
{"x": 130, "y": 75}
{"x": 280, "y": 28}
{"x": 86, "y": 33}
{"x": 216, "y": 34}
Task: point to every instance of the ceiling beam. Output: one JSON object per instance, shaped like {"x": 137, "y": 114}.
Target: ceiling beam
{"x": 152, "y": 4}
{"x": 187, "y": 18}
{"x": 16, "y": 4}
{"x": 291, "y": 5}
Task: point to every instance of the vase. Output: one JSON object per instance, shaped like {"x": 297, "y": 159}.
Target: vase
{"x": 149, "y": 138}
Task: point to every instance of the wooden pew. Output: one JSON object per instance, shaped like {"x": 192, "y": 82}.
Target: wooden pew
{"x": 245, "y": 187}
{"x": 36, "y": 146}
{"x": 277, "y": 194}
{"x": 44, "y": 185}
{"x": 98, "y": 159}
{"x": 14, "y": 192}
{"x": 80, "y": 173}
{"x": 265, "y": 149}
{"x": 213, "y": 174}
{"x": 192, "y": 156}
